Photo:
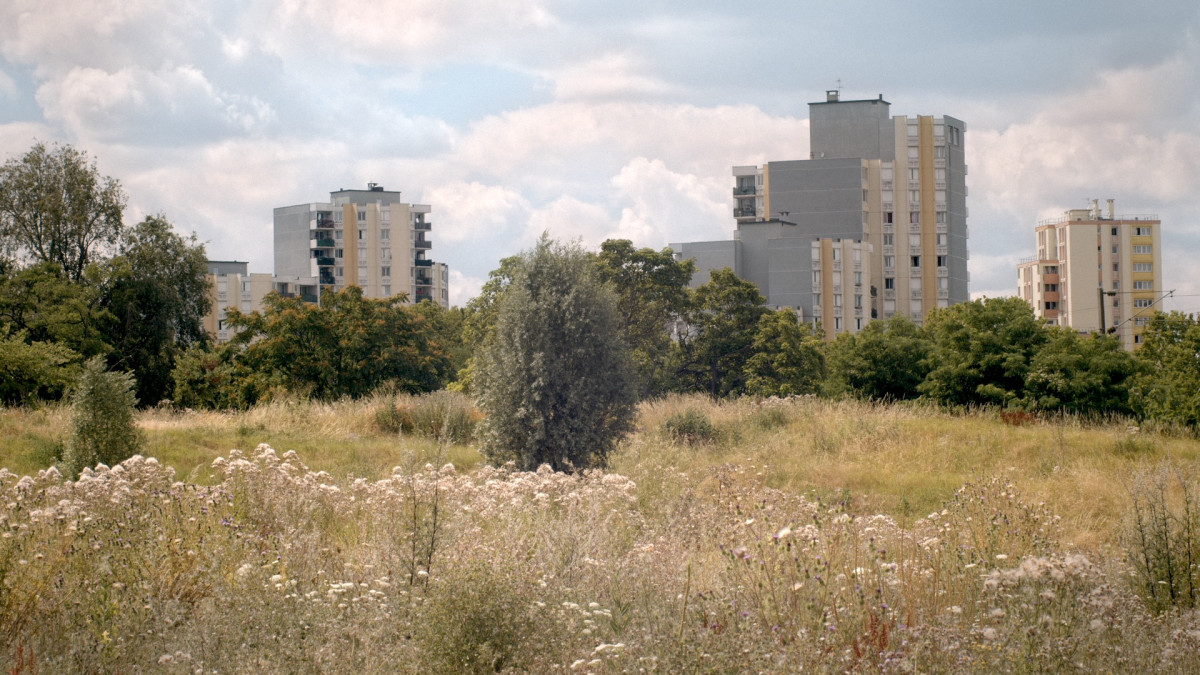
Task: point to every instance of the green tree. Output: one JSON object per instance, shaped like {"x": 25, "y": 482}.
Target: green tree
{"x": 720, "y": 336}
{"x": 32, "y": 371}
{"x": 346, "y": 346}
{"x": 1080, "y": 375}
{"x": 652, "y": 293}
{"x": 982, "y": 351}
{"x": 55, "y": 207}
{"x": 788, "y": 359}
{"x": 47, "y": 307}
{"x": 555, "y": 382}
{"x": 102, "y": 425}
{"x": 158, "y": 293}
{"x": 885, "y": 361}
{"x": 1168, "y": 389}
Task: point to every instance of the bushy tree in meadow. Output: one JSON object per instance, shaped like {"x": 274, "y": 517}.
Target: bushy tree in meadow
{"x": 652, "y": 293}
{"x": 1168, "y": 389}
{"x": 719, "y": 340}
{"x": 555, "y": 380}
{"x": 32, "y": 371}
{"x": 982, "y": 351}
{"x": 788, "y": 359}
{"x": 886, "y": 361}
{"x": 102, "y": 424}
{"x": 1085, "y": 375}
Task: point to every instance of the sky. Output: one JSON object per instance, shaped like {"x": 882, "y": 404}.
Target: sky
{"x": 593, "y": 120}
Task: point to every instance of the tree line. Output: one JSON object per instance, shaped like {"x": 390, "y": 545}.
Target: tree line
{"x": 77, "y": 283}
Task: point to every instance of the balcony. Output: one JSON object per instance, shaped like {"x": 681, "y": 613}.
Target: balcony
{"x": 422, "y": 244}
{"x": 941, "y": 228}
{"x": 744, "y": 213}
{"x": 423, "y": 263}
{"x": 324, "y": 261}
{"x": 943, "y": 294}
{"x": 422, "y": 226}
{"x": 325, "y": 224}
{"x": 324, "y": 242}
{"x": 743, "y": 191}
{"x": 943, "y": 250}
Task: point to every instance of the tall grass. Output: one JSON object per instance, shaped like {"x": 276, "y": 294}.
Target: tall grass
{"x": 812, "y": 535}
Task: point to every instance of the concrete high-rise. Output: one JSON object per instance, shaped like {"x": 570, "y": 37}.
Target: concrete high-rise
{"x": 1094, "y": 268}
{"x": 894, "y": 185}
{"x": 365, "y": 238}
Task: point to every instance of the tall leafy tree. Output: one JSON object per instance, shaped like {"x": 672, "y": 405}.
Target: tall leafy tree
{"x": 158, "y": 293}
{"x": 652, "y": 293}
{"x": 40, "y": 302}
{"x": 346, "y": 346}
{"x": 1169, "y": 388}
{"x": 982, "y": 351}
{"x": 885, "y": 361}
{"x": 555, "y": 381}
{"x": 1085, "y": 375}
{"x": 719, "y": 339}
{"x": 788, "y": 359}
{"x": 55, "y": 207}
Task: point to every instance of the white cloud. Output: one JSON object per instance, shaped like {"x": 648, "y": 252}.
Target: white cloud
{"x": 463, "y": 288}
{"x": 468, "y": 211}
{"x": 608, "y": 76}
{"x": 568, "y": 219}
{"x": 666, "y": 206}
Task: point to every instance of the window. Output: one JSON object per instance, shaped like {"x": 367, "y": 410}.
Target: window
{"x": 837, "y": 323}
{"x": 362, "y": 216}
{"x": 889, "y": 283}
{"x": 914, "y": 196}
{"x": 914, "y": 174}
{"x": 942, "y": 239}
{"x": 916, "y": 261}
{"x": 887, "y": 217}
{"x": 1143, "y": 267}
{"x": 941, "y": 260}
{"x": 1051, "y": 304}
{"x": 1141, "y": 231}
{"x": 914, "y": 217}
{"x": 385, "y": 234}
{"x": 1050, "y": 269}
{"x": 1143, "y": 302}
{"x": 337, "y": 234}
{"x": 817, "y": 277}
{"x": 889, "y": 261}
{"x": 857, "y": 301}
{"x": 385, "y": 271}
{"x": 939, "y": 151}
{"x": 1114, "y": 232}
{"x": 858, "y": 278}
{"x": 362, "y": 234}
{"x": 889, "y": 240}
{"x": 1141, "y": 249}
{"x": 914, "y": 241}
{"x": 1143, "y": 285}
{"x": 864, "y": 195}
{"x": 1051, "y": 288}
{"x": 837, "y": 299}
{"x": 1116, "y": 267}
{"x": 338, "y": 271}
{"x": 837, "y": 254}
{"x": 941, "y": 217}
{"x": 1114, "y": 249}
{"x": 338, "y": 253}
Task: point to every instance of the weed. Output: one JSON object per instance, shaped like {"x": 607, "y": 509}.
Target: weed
{"x": 690, "y": 427}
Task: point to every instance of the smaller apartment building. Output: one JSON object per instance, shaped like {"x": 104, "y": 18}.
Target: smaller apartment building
{"x": 232, "y": 286}
{"x": 1095, "y": 269}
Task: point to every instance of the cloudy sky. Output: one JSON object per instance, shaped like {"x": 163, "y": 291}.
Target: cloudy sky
{"x": 595, "y": 120}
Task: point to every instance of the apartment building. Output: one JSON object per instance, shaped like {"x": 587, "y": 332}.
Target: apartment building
{"x": 232, "y": 286}
{"x": 1096, "y": 269}
{"x": 895, "y": 186}
{"x": 366, "y": 238}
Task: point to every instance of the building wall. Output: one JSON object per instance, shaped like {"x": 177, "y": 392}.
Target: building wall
{"x": 232, "y": 286}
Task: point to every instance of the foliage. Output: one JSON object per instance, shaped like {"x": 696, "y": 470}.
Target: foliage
{"x": 1080, "y": 375}
{"x": 48, "y": 307}
{"x": 446, "y": 327}
{"x": 158, "y": 292}
{"x": 1168, "y": 390}
{"x": 652, "y": 293}
{"x": 346, "y": 346}
{"x": 555, "y": 382}
{"x": 886, "y": 361}
{"x": 444, "y": 416}
{"x": 982, "y": 351}
{"x": 1162, "y": 536}
{"x": 55, "y": 207}
{"x": 33, "y": 371}
{"x": 206, "y": 378}
{"x": 788, "y": 359}
{"x": 479, "y": 317}
{"x": 690, "y": 427}
{"x": 720, "y": 336}
{"x": 102, "y": 425}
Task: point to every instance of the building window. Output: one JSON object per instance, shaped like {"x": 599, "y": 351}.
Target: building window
{"x": 941, "y": 217}
{"x": 1143, "y": 302}
{"x": 385, "y": 234}
{"x": 939, "y": 151}
{"x": 1051, "y": 304}
{"x": 837, "y": 299}
{"x": 941, "y": 260}
{"x": 914, "y": 217}
{"x": 1050, "y": 269}
{"x": 1142, "y": 249}
{"x": 837, "y": 324}
{"x": 914, "y": 241}
{"x": 816, "y": 278}
{"x": 857, "y": 301}
{"x": 889, "y": 261}
{"x": 837, "y": 254}
{"x": 1114, "y": 232}
{"x": 914, "y": 196}
{"x": 362, "y": 234}
{"x": 889, "y": 240}
{"x": 1051, "y": 288}
{"x": 1137, "y": 339}
{"x": 1116, "y": 267}
{"x": 337, "y": 234}
{"x": 385, "y": 271}
{"x": 362, "y": 216}
{"x": 887, "y": 217}
{"x": 942, "y": 239}
{"x": 858, "y": 278}
{"x": 889, "y": 283}
{"x": 1143, "y": 267}
{"x": 1141, "y": 231}
{"x": 916, "y": 261}
{"x": 1143, "y": 285}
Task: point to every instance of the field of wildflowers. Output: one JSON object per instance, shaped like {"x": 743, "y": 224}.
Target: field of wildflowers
{"x": 743, "y": 554}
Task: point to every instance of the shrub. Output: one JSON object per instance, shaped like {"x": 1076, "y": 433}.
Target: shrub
{"x": 102, "y": 425}
{"x": 1162, "y": 536}
{"x": 690, "y": 427}
{"x": 445, "y": 416}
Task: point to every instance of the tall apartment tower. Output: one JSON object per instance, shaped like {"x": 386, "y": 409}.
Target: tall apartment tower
{"x": 1094, "y": 268}
{"x": 896, "y": 186}
{"x": 365, "y": 238}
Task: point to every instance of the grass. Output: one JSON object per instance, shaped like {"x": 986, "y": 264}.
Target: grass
{"x": 805, "y": 534}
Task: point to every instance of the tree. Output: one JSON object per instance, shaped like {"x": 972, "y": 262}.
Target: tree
{"x": 982, "y": 351}
{"x": 1080, "y": 375}
{"x": 788, "y": 359}
{"x": 102, "y": 424}
{"x": 55, "y": 207}
{"x": 1168, "y": 389}
{"x": 886, "y": 361}
{"x": 32, "y": 371}
{"x": 346, "y": 346}
{"x": 720, "y": 335}
{"x": 555, "y": 382}
{"x": 652, "y": 293}
{"x": 158, "y": 293}
{"x": 46, "y": 307}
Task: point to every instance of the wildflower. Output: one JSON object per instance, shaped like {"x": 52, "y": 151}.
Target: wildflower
{"x": 1001, "y": 556}
{"x": 989, "y": 633}
{"x": 955, "y": 610}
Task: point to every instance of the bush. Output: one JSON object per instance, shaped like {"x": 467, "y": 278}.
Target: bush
{"x": 445, "y": 416}
{"x": 1162, "y": 536}
{"x": 690, "y": 427}
{"x": 102, "y": 424}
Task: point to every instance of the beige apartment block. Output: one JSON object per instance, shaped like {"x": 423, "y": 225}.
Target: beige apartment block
{"x": 1096, "y": 269}
{"x": 841, "y": 278}
{"x": 232, "y": 286}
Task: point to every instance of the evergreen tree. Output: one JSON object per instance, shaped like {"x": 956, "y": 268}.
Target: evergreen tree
{"x": 555, "y": 380}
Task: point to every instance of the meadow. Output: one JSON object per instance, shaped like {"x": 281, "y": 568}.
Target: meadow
{"x": 738, "y": 536}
